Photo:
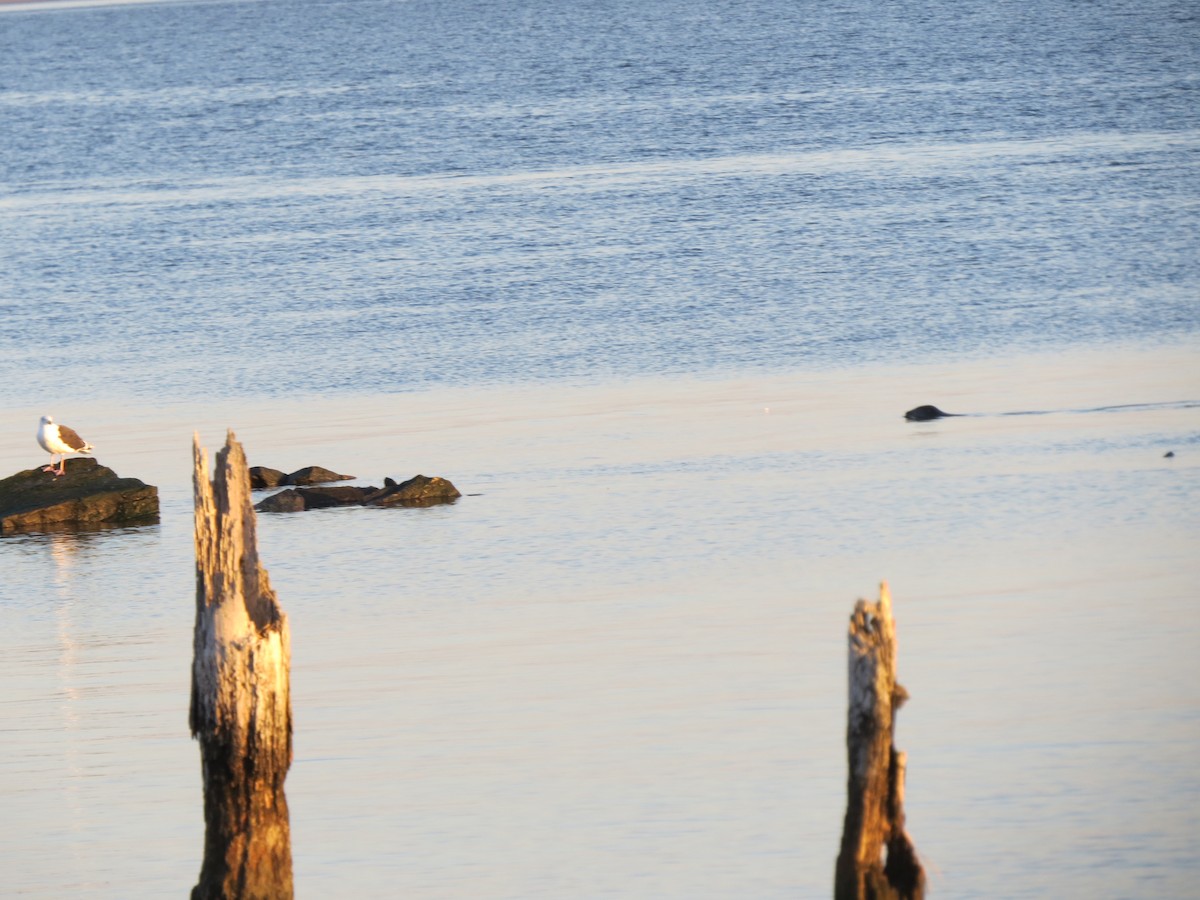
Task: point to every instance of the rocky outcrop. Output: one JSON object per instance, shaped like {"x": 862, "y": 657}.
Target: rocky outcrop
{"x": 263, "y": 477}
{"x": 419, "y": 490}
{"x": 89, "y": 494}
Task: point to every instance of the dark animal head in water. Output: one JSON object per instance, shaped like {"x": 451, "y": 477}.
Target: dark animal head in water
{"x": 925, "y": 413}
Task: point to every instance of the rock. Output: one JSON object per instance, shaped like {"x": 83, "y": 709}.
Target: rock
{"x": 88, "y": 494}
{"x": 419, "y": 490}
{"x": 297, "y": 499}
{"x": 290, "y": 500}
{"x": 314, "y": 475}
{"x": 325, "y": 497}
{"x": 262, "y": 477}
{"x": 926, "y": 413}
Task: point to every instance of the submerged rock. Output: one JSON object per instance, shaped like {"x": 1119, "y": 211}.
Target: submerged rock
{"x": 88, "y": 494}
{"x": 419, "y": 490}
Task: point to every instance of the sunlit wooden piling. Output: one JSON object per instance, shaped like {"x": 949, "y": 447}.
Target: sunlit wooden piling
{"x": 241, "y": 708}
{"x": 875, "y": 789}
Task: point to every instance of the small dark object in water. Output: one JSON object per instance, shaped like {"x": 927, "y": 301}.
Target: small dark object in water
{"x": 1170, "y": 454}
{"x": 925, "y": 413}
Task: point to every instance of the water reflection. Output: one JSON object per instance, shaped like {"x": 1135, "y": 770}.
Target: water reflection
{"x": 95, "y": 692}
{"x": 80, "y": 532}
{"x": 83, "y": 531}
{"x": 64, "y": 550}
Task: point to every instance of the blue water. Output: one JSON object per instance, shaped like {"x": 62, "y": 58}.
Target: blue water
{"x": 294, "y": 197}
{"x": 652, "y": 282}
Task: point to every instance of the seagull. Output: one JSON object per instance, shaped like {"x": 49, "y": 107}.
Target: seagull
{"x": 61, "y": 440}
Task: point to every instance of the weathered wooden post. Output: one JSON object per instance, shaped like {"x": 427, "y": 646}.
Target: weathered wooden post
{"x": 875, "y": 789}
{"x": 241, "y": 708}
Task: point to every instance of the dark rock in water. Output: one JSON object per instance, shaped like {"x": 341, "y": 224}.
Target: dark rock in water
{"x": 262, "y": 477}
{"x": 1170, "y": 454}
{"x": 290, "y": 500}
{"x": 297, "y": 499}
{"x": 89, "y": 494}
{"x": 325, "y": 497}
{"x": 926, "y": 413}
{"x": 419, "y": 490}
{"x": 314, "y": 475}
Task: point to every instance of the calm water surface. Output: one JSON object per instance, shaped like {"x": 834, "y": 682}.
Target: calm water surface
{"x": 652, "y": 283}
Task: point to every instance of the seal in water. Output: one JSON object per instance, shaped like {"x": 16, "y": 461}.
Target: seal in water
{"x": 925, "y": 413}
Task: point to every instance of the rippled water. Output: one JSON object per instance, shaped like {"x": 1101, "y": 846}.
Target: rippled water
{"x": 652, "y": 283}
{"x": 259, "y": 197}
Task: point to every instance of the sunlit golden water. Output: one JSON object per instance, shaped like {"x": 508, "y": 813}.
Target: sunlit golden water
{"x": 616, "y": 667}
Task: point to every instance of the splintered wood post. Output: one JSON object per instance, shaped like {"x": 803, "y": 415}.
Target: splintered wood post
{"x": 875, "y": 790}
{"x": 241, "y": 709}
